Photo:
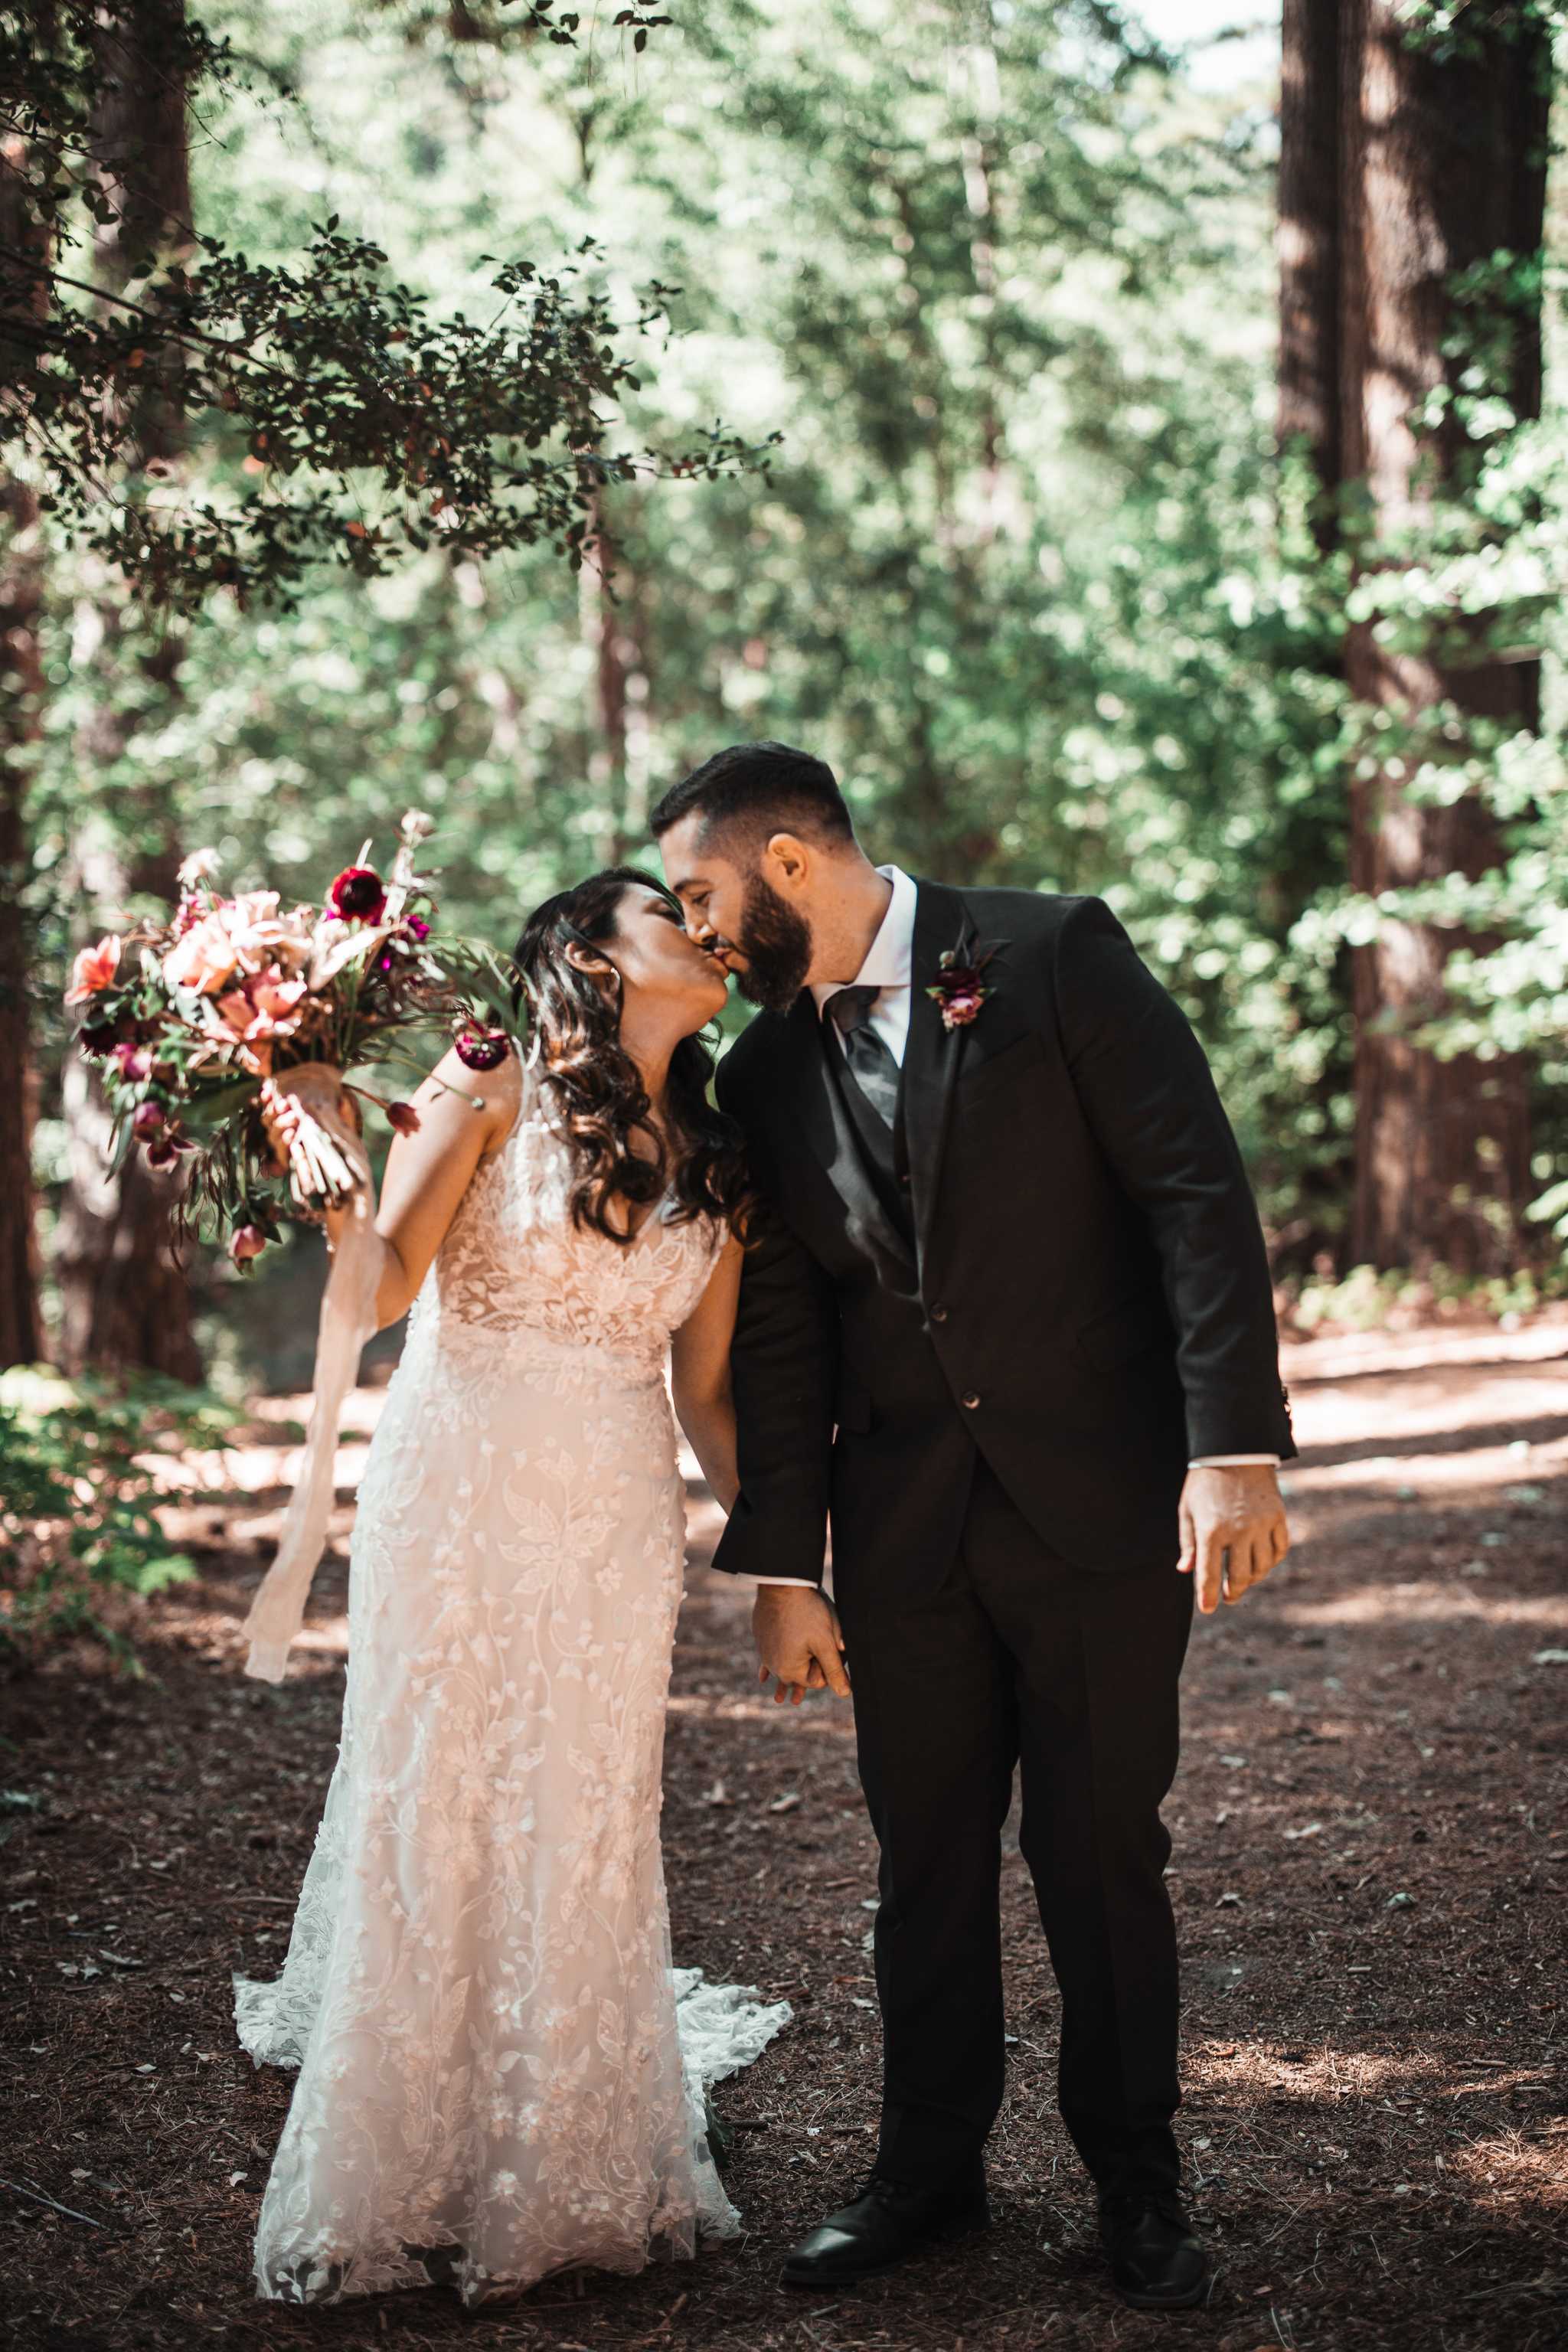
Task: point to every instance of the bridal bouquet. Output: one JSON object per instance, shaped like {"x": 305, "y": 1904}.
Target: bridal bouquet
{"x": 191, "y": 1017}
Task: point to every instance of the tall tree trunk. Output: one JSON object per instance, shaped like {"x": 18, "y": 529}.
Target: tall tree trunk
{"x": 124, "y": 1298}
{"x": 1441, "y": 164}
{"x": 1308, "y": 244}
{"x": 23, "y": 305}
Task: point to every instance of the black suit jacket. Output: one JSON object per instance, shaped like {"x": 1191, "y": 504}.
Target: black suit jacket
{"x": 1087, "y": 1300}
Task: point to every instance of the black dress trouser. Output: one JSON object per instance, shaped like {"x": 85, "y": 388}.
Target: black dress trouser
{"x": 1006, "y": 1657}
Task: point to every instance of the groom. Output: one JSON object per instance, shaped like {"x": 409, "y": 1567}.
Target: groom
{"x": 1006, "y": 1320}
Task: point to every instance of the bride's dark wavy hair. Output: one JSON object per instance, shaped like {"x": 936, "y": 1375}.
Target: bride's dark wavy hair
{"x": 575, "y": 1026}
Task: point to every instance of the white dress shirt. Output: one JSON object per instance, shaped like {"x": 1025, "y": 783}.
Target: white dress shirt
{"x": 889, "y": 969}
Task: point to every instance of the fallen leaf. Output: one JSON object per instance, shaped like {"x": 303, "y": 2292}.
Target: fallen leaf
{"x": 786, "y": 1804}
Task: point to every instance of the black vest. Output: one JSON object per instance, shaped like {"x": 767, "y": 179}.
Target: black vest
{"x": 882, "y": 1148}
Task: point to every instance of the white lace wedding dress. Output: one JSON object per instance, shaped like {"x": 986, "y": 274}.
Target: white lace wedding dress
{"x": 500, "y": 2073}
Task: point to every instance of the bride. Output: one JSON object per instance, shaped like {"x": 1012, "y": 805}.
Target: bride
{"x": 499, "y": 2072}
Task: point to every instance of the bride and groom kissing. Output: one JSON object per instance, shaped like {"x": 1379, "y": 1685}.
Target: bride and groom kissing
{"x": 961, "y": 1265}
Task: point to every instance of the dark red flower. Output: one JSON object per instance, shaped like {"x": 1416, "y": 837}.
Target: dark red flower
{"x": 403, "y": 1118}
{"x": 359, "y": 894}
{"x": 481, "y": 1049}
{"x": 161, "y": 1153}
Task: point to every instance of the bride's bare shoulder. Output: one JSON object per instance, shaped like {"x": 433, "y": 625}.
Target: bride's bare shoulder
{"x": 495, "y": 1096}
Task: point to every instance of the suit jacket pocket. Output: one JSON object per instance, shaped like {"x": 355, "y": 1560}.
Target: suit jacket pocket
{"x": 1126, "y": 1329}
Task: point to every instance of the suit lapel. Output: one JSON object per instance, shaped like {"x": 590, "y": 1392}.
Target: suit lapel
{"x": 933, "y": 1053}
{"x": 827, "y": 1132}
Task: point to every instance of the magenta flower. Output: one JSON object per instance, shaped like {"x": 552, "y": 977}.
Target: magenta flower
{"x": 359, "y": 894}
{"x": 481, "y": 1049}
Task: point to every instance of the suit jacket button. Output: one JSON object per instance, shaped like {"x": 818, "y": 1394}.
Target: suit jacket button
{"x": 970, "y": 1400}
{"x": 939, "y": 1314}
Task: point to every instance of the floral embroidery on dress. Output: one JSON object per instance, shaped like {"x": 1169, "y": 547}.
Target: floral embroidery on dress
{"x": 500, "y": 2073}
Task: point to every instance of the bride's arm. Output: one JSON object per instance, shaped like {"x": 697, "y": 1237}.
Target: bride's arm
{"x": 426, "y": 1172}
{"x": 700, "y": 1376}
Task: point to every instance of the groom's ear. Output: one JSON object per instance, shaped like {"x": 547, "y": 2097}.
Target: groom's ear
{"x": 786, "y": 859}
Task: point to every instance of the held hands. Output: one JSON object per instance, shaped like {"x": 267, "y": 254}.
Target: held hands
{"x": 1233, "y": 1531}
{"x": 798, "y": 1642}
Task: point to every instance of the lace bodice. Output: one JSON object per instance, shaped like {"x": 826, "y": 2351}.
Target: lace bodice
{"x": 515, "y": 1268}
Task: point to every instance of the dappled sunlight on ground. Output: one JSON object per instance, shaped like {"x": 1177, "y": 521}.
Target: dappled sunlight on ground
{"x": 1369, "y": 1870}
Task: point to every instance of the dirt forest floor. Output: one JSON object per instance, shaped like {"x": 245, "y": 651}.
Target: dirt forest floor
{"x": 1371, "y": 1857}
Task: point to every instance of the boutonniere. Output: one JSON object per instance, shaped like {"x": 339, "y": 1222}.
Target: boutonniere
{"x": 960, "y": 986}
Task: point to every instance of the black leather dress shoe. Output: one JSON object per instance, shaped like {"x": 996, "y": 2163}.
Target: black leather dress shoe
{"x": 1156, "y": 2262}
{"x": 885, "y": 2225}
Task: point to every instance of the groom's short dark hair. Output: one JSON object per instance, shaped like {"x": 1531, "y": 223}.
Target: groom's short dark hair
{"x": 758, "y": 789}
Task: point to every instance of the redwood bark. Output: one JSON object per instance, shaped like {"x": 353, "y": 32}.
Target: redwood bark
{"x": 1308, "y": 244}
{"x": 125, "y": 1297}
{"x": 23, "y": 304}
{"x": 1441, "y": 163}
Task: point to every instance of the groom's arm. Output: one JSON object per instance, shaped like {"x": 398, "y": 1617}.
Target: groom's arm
{"x": 783, "y": 1368}
{"x": 1150, "y": 1100}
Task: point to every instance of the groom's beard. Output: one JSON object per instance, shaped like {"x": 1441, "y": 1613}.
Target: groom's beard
{"x": 776, "y": 943}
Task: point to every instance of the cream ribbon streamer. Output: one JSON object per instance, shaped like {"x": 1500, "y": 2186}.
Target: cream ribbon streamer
{"x": 348, "y": 1320}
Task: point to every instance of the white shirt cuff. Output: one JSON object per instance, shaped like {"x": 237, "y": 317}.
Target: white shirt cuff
{"x": 804, "y": 1583}
{"x": 1207, "y": 1461}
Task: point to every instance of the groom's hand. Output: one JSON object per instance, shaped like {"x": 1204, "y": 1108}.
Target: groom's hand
{"x": 1233, "y": 1531}
{"x": 798, "y": 1642}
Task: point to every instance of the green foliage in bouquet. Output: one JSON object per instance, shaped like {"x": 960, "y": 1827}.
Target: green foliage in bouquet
{"x": 79, "y": 1482}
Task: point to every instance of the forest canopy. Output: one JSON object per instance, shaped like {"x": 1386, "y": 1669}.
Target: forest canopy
{"x": 914, "y": 381}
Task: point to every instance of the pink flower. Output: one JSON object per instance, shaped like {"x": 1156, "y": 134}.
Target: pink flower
{"x": 133, "y": 1062}
{"x": 94, "y": 969}
{"x": 358, "y": 895}
{"x": 959, "y": 1006}
{"x": 265, "y": 1004}
{"x": 403, "y": 1118}
{"x": 203, "y": 957}
{"x": 147, "y": 1120}
{"x": 246, "y": 1242}
{"x": 244, "y": 934}
{"x": 264, "y": 1007}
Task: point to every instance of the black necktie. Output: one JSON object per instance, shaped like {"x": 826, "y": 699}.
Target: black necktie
{"x": 875, "y": 1071}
